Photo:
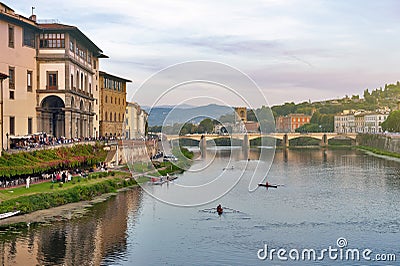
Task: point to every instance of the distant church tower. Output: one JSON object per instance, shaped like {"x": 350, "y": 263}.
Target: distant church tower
{"x": 241, "y": 114}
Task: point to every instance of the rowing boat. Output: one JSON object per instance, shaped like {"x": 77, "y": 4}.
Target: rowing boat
{"x": 8, "y": 214}
{"x": 264, "y": 185}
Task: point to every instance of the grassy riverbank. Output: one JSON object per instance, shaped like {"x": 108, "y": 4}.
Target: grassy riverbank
{"x": 379, "y": 151}
{"x": 47, "y": 195}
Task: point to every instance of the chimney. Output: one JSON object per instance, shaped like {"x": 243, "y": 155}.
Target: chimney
{"x": 33, "y": 16}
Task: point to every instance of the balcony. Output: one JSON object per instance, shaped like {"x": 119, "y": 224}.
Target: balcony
{"x": 50, "y": 87}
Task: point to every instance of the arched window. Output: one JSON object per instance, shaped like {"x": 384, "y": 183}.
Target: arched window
{"x": 77, "y": 79}
{"x": 119, "y": 117}
{"x": 72, "y": 81}
{"x": 105, "y": 117}
{"x": 115, "y": 116}
{"x": 119, "y": 101}
{"x": 82, "y": 81}
{"x": 110, "y": 116}
{"x": 72, "y": 102}
{"x": 106, "y": 99}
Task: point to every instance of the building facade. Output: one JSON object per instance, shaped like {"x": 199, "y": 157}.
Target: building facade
{"x": 135, "y": 122}
{"x": 17, "y": 61}
{"x": 112, "y": 105}
{"x": 66, "y": 65}
{"x": 291, "y": 122}
{"x": 360, "y": 121}
{"x": 52, "y": 83}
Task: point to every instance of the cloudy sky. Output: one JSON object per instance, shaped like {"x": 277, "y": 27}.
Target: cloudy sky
{"x": 294, "y": 50}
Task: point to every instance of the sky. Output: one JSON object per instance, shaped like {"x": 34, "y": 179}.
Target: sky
{"x": 293, "y": 50}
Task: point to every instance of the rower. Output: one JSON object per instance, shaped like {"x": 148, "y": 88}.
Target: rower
{"x": 219, "y": 209}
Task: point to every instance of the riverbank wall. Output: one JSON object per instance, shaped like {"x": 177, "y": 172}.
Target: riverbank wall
{"x": 390, "y": 143}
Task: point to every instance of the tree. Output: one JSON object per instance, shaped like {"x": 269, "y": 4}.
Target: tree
{"x": 392, "y": 123}
{"x": 206, "y": 126}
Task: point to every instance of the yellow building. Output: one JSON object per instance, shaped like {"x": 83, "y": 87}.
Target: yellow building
{"x": 112, "y": 105}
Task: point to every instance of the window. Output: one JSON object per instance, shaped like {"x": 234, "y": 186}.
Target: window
{"x": 105, "y": 117}
{"x": 81, "y": 81}
{"x": 29, "y": 80}
{"x": 71, "y": 45}
{"x": 89, "y": 59}
{"x": 11, "y": 78}
{"x": 12, "y": 125}
{"x": 51, "y": 80}
{"x": 90, "y": 88}
{"x": 111, "y": 99}
{"x": 94, "y": 64}
{"x": 119, "y": 117}
{"x": 10, "y": 36}
{"x": 119, "y": 101}
{"x": 72, "y": 81}
{"x": 115, "y": 116}
{"x": 12, "y": 95}
{"x": 51, "y": 40}
{"x": 77, "y": 79}
{"x": 110, "y": 116}
{"x": 29, "y": 125}
{"x": 106, "y": 99}
{"x": 29, "y": 37}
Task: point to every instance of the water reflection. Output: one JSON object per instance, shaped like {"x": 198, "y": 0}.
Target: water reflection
{"x": 84, "y": 241}
{"x": 327, "y": 194}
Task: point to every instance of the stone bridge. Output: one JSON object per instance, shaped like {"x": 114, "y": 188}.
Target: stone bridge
{"x": 246, "y": 137}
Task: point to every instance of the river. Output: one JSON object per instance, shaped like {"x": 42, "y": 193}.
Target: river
{"x": 325, "y": 195}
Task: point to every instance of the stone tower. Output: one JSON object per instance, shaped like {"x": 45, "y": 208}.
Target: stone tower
{"x": 241, "y": 114}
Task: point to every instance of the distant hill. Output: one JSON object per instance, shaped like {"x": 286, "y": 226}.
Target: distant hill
{"x": 159, "y": 115}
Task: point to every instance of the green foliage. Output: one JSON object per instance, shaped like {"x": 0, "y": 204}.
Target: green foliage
{"x": 27, "y": 204}
{"x": 38, "y": 162}
{"x": 304, "y": 142}
{"x": 392, "y": 123}
{"x": 206, "y": 126}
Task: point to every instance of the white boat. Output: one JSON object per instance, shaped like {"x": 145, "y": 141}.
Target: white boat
{"x": 8, "y": 214}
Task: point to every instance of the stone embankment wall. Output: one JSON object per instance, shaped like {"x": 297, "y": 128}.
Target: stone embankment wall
{"x": 389, "y": 142}
{"x": 131, "y": 150}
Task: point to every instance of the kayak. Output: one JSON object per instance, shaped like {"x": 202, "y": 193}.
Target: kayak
{"x": 8, "y": 214}
{"x": 264, "y": 185}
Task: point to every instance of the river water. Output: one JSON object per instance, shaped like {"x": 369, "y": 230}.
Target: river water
{"x": 326, "y": 195}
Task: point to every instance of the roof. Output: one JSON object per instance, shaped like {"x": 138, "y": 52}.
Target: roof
{"x": 102, "y": 73}
{"x": 3, "y": 76}
{"x": 74, "y": 31}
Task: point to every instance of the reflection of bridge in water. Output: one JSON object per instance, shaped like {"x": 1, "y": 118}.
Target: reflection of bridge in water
{"x": 324, "y": 137}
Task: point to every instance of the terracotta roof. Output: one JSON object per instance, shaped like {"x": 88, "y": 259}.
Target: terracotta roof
{"x": 102, "y": 73}
{"x": 51, "y": 26}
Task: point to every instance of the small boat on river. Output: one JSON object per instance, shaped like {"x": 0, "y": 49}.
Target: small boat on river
{"x": 8, "y": 214}
{"x": 268, "y": 185}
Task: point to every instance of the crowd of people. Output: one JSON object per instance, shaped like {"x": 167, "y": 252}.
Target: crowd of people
{"x": 40, "y": 140}
{"x": 55, "y": 177}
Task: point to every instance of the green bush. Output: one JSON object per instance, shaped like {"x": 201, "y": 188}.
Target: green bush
{"x": 27, "y": 204}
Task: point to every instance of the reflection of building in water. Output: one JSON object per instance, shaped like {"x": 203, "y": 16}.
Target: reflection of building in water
{"x": 101, "y": 233}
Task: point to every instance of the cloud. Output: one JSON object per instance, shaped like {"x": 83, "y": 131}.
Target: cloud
{"x": 299, "y": 48}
